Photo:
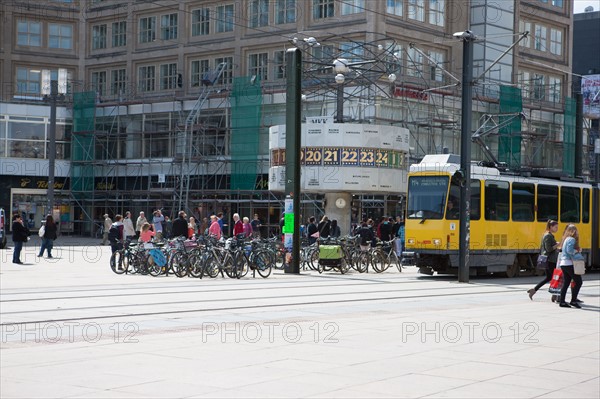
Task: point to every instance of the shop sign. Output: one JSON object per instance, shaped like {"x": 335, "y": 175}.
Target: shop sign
{"x": 43, "y": 184}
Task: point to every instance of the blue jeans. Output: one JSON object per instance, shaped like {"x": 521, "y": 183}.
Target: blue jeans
{"x": 48, "y": 244}
{"x": 17, "y": 252}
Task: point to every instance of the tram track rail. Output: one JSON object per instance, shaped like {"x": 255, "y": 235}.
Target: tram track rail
{"x": 253, "y": 306}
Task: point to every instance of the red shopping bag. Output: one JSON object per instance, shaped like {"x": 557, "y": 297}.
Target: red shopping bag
{"x": 557, "y": 282}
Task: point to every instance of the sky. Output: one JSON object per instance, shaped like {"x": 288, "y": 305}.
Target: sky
{"x": 580, "y": 5}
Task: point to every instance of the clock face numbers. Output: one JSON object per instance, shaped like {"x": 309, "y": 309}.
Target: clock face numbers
{"x": 343, "y": 156}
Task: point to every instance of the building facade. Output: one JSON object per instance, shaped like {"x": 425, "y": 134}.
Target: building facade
{"x": 134, "y": 71}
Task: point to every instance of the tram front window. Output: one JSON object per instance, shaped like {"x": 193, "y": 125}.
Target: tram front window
{"x": 427, "y": 197}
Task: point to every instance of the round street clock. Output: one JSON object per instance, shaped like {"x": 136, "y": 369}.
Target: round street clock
{"x": 340, "y": 203}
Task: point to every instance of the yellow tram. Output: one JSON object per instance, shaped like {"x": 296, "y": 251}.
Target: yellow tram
{"x": 508, "y": 215}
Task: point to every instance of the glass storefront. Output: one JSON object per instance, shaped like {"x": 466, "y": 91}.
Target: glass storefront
{"x": 32, "y": 204}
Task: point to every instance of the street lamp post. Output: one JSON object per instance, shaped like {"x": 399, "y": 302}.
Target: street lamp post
{"x": 52, "y": 144}
{"x": 465, "y": 154}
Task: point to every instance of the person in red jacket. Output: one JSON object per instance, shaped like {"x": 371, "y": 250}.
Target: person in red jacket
{"x": 238, "y": 226}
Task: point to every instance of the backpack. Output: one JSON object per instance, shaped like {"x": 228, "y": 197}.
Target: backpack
{"x": 113, "y": 234}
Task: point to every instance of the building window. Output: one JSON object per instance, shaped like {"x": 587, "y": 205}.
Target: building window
{"x": 436, "y": 12}
{"x": 28, "y": 81}
{"x": 323, "y": 53}
{"x": 557, "y": 3}
{"x": 168, "y": 27}
{"x": 279, "y": 65}
{"x": 416, "y": 10}
{"x": 258, "y": 11}
{"x": 285, "y": 11}
{"x": 199, "y": 68}
{"x": 554, "y": 85}
{"x": 119, "y": 81}
{"x": 60, "y": 36}
{"x": 99, "y": 36}
{"x": 147, "y": 29}
{"x": 353, "y": 7}
{"x": 201, "y": 22}
{"x": 224, "y": 18}
{"x": 415, "y": 63}
{"x": 435, "y": 70}
{"x": 352, "y": 51}
{"x": 29, "y": 33}
{"x": 539, "y": 90}
{"x": 258, "y": 66}
{"x": 323, "y": 9}
{"x": 394, "y": 7}
{"x": 99, "y": 82}
{"x": 556, "y": 41}
{"x": 525, "y": 27}
{"x": 146, "y": 78}
{"x": 227, "y": 74}
{"x": 539, "y": 42}
{"x": 119, "y": 34}
{"x": 394, "y": 58}
{"x": 168, "y": 76}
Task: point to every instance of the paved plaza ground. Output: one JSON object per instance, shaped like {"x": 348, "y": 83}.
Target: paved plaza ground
{"x": 72, "y": 328}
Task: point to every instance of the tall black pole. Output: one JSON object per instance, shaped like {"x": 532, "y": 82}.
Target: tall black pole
{"x": 52, "y": 145}
{"x": 465, "y": 157}
{"x": 293, "y": 119}
{"x": 578, "y": 170}
{"x": 340, "y": 103}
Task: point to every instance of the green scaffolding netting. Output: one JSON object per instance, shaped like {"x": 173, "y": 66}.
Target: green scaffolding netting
{"x": 569, "y": 136}
{"x": 82, "y": 143}
{"x": 509, "y": 137}
{"x": 246, "y": 105}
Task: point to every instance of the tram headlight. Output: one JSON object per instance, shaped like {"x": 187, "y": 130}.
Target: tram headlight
{"x": 411, "y": 241}
{"x": 437, "y": 242}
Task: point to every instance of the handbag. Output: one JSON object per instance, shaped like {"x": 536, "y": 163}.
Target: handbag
{"x": 542, "y": 262}
{"x": 42, "y": 231}
{"x": 579, "y": 266}
{"x": 556, "y": 282}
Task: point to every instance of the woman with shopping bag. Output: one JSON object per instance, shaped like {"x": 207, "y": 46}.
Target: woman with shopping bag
{"x": 549, "y": 250}
{"x": 569, "y": 255}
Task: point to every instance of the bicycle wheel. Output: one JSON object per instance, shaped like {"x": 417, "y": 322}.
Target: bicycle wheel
{"x": 241, "y": 264}
{"x": 313, "y": 259}
{"x": 195, "y": 265}
{"x": 179, "y": 264}
{"x": 263, "y": 265}
{"x": 397, "y": 262}
{"x": 344, "y": 266}
{"x": 211, "y": 266}
{"x": 229, "y": 266}
{"x": 116, "y": 262}
{"x": 361, "y": 261}
{"x": 379, "y": 261}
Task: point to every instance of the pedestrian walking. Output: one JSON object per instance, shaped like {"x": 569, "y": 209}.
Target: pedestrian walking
{"x": 335, "y": 229}
{"x": 139, "y": 223}
{"x": 215, "y": 228}
{"x": 548, "y": 247}
{"x": 20, "y": 235}
{"x": 128, "y": 229}
{"x": 107, "y": 223}
{"x": 157, "y": 219}
{"x": 570, "y": 252}
{"x": 115, "y": 234}
{"x": 48, "y": 237}
{"x": 180, "y": 225}
{"x": 256, "y": 224}
{"x": 247, "y": 227}
{"x": 238, "y": 225}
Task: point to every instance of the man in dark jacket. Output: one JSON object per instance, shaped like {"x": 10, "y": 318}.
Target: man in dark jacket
{"x": 20, "y": 235}
{"x": 180, "y": 226}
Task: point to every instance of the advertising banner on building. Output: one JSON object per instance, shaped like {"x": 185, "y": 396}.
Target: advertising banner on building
{"x": 590, "y": 89}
